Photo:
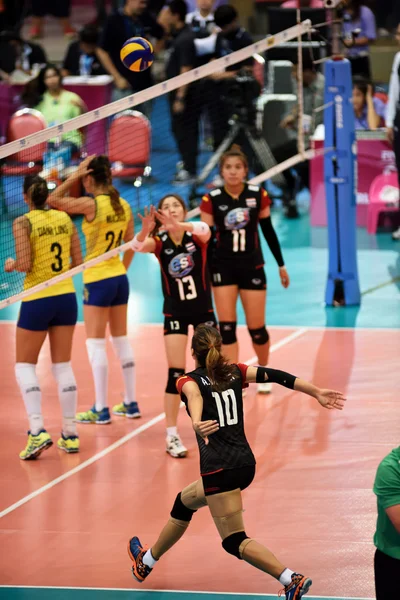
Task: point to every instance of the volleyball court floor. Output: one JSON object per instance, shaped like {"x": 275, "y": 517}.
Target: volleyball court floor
{"x": 66, "y": 520}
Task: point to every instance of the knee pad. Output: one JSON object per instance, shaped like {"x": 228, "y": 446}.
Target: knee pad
{"x": 180, "y": 512}
{"x": 64, "y": 376}
{"x": 97, "y": 353}
{"x": 193, "y": 496}
{"x": 259, "y": 336}
{"x": 230, "y": 524}
{"x": 228, "y": 332}
{"x": 236, "y": 543}
{"x": 173, "y": 376}
{"x": 123, "y": 350}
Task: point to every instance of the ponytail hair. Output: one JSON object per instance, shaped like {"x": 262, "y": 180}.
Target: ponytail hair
{"x": 100, "y": 170}
{"x": 234, "y": 151}
{"x": 36, "y": 188}
{"x": 206, "y": 345}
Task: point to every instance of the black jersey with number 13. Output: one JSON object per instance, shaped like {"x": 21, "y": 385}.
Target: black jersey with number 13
{"x": 228, "y": 448}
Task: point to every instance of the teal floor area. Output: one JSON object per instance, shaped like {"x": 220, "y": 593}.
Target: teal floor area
{"x": 15, "y": 593}
{"x": 306, "y": 255}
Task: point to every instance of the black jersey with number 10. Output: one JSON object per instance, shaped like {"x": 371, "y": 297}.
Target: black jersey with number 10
{"x": 228, "y": 448}
{"x": 185, "y": 278}
{"x": 236, "y": 222}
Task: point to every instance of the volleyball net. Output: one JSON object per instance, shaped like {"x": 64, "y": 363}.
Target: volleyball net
{"x": 157, "y": 146}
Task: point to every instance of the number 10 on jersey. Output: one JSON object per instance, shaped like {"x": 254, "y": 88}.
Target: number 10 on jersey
{"x": 226, "y": 407}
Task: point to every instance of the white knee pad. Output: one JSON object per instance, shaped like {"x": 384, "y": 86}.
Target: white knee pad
{"x": 123, "y": 350}
{"x": 64, "y": 376}
{"x": 97, "y": 353}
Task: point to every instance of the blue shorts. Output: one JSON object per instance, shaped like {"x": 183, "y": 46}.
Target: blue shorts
{"x": 113, "y": 291}
{"x": 53, "y": 311}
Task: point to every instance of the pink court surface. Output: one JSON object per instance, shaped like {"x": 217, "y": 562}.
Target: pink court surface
{"x": 66, "y": 519}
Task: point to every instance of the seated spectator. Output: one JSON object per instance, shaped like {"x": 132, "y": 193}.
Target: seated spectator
{"x": 47, "y": 95}
{"x": 369, "y": 111}
{"x": 17, "y": 54}
{"x": 81, "y": 58}
{"x": 360, "y": 19}
{"x": 303, "y": 4}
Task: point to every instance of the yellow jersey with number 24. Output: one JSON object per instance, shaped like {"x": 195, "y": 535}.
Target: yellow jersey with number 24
{"x": 106, "y": 232}
{"x": 50, "y": 237}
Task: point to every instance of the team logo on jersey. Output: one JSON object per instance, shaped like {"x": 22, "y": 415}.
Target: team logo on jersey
{"x": 223, "y": 207}
{"x": 256, "y": 281}
{"x": 251, "y": 202}
{"x": 237, "y": 218}
{"x": 181, "y": 265}
{"x": 190, "y": 247}
{"x": 169, "y": 251}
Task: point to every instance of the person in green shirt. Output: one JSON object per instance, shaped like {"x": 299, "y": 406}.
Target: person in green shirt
{"x": 387, "y": 535}
{"x": 47, "y": 95}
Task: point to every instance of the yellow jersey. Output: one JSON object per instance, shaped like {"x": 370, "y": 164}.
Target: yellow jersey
{"x": 105, "y": 232}
{"x": 50, "y": 237}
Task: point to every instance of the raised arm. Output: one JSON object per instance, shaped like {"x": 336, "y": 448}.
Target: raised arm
{"x": 327, "y": 398}
{"x": 128, "y": 237}
{"x": 141, "y": 242}
{"x": 195, "y": 407}
{"x": 198, "y": 228}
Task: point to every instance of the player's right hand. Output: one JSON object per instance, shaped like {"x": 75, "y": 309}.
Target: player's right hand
{"x": 206, "y": 428}
{"x": 148, "y": 219}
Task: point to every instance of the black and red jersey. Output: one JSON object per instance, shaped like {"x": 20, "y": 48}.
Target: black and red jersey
{"x": 184, "y": 275}
{"x": 228, "y": 448}
{"x": 236, "y": 222}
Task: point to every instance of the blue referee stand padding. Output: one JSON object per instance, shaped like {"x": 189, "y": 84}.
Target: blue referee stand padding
{"x": 340, "y": 169}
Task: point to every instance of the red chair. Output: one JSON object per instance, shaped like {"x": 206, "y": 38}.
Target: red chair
{"x": 383, "y": 197}
{"x": 25, "y": 162}
{"x": 129, "y": 146}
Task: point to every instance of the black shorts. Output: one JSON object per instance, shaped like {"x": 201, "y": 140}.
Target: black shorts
{"x": 228, "y": 480}
{"x": 175, "y": 324}
{"x": 246, "y": 278}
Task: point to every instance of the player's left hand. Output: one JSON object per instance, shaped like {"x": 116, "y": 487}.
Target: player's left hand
{"x": 331, "y": 399}
{"x": 206, "y": 428}
{"x": 82, "y": 169}
{"x": 9, "y": 265}
{"x": 283, "y": 274}
{"x": 168, "y": 222}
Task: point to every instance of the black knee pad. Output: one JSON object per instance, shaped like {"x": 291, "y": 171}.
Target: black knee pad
{"x": 173, "y": 376}
{"x": 180, "y": 511}
{"x": 259, "y": 336}
{"x": 231, "y": 544}
{"x": 228, "y": 332}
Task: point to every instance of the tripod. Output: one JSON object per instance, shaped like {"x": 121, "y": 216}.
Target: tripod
{"x": 257, "y": 143}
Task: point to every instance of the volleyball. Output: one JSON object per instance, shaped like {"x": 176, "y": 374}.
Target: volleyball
{"x": 137, "y": 54}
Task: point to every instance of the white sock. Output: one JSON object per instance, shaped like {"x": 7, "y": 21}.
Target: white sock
{"x": 285, "y": 577}
{"x": 172, "y": 431}
{"x": 31, "y": 395}
{"x": 123, "y": 350}
{"x": 67, "y": 395}
{"x": 96, "y": 349}
{"x": 148, "y": 559}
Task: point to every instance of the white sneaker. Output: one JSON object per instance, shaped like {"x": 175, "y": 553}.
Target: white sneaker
{"x": 396, "y": 234}
{"x": 174, "y": 446}
{"x": 264, "y": 388}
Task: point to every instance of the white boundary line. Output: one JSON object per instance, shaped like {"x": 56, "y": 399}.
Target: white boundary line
{"x": 124, "y": 439}
{"x": 133, "y": 590}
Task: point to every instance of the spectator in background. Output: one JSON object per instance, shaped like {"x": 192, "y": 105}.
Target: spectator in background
{"x": 303, "y": 4}
{"x": 393, "y": 115}
{"x": 61, "y": 9}
{"x": 102, "y": 12}
{"x": 387, "y": 14}
{"x": 369, "y": 111}
{"x": 359, "y": 17}
{"x": 387, "y": 535}
{"x": 313, "y": 98}
{"x": 133, "y": 20}
{"x": 202, "y": 20}
{"x": 57, "y": 105}
{"x": 81, "y": 57}
{"x": 17, "y": 54}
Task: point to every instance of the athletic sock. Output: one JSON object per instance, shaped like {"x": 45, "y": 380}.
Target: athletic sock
{"x": 96, "y": 349}
{"x": 67, "y": 395}
{"x": 123, "y": 350}
{"x": 148, "y": 559}
{"x": 172, "y": 431}
{"x": 285, "y": 577}
{"x": 31, "y": 394}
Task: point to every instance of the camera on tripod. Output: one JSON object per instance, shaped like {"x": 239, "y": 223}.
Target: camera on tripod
{"x": 241, "y": 97}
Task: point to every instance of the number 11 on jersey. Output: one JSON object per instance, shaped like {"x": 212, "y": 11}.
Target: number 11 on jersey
{"x": 239, "y": 240}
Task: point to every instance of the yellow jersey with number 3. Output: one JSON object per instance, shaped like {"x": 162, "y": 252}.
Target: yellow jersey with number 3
{"x": 106, "y": 232}
{"x": 50, "y": 237}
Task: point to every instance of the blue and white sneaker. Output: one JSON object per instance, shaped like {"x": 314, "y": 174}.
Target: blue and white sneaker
{"x": 131, "y": 411}
{"x": 101, "y": 417}
{"x": 136, "y": 551}
{"x": 297, "y": 588}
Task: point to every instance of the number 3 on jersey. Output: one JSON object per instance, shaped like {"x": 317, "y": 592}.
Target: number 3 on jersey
{"x": 239, "y": 240}
{"x": 227, "y": 407}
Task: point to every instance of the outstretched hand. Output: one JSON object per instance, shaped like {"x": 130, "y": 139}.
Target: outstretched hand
{"x": 168, "y": 222}
{"x": 206, "y": 428}
{"x": 331, "y": 399}
{"x": 148, "y": 219}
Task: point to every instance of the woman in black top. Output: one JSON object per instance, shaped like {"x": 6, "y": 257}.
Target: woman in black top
{"x": 213, "y": 397}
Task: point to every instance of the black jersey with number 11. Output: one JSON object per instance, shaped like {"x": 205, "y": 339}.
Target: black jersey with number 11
{"x": 228, "y": 448}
